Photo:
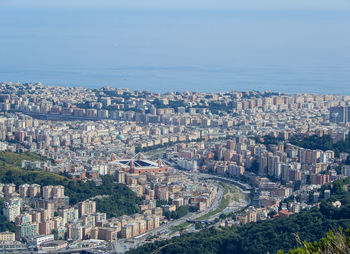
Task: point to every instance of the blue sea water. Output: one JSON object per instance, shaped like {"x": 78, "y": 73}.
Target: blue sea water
{"x": 175, "y": 49}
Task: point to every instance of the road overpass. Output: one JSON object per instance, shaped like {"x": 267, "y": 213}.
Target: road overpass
{"x": 244, "y": 186}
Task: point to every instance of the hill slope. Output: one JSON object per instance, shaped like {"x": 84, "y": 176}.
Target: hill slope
{"x": 121, "y": 201}
{"x": 262, "y": 237}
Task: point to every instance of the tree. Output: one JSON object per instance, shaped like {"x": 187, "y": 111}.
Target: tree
{"x": 121, "y": 199}
{"x": 182, "y": 211}
{"x": 262, "y": 237}
{"x": 5, "y": 225}
{"x": 332, "y": 243}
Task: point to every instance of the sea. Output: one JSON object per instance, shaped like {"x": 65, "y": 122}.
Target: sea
{"x": 161, "y": 50}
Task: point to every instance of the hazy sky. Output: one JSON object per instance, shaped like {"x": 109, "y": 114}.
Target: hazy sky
{"x": 218, "y": 4}
{"x": 285, "y": 45}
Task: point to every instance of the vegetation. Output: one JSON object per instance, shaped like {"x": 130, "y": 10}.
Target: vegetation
{"x": 257, "y": 94}
{"x": 181, "y": 226}
{"x": 224, "y": 203}
{"x": 5, "y": 225}
{"x": 120, "y": 200}
{"x": 172, "y": 104}
{"x": 16, "y": 158}
{"x": 180, "y": 212}
{"x": 261, "y": 237}
{"x": 159, "y": 202}
{"x": 313, "y": 142}
{"x": 332, "y": 243}
{"x": 18, "y": 176}
{"x": 213, "y": 107}
{"x": 255, "y": 167}
{"x": 264, "y": 236}
{"x": 268, "y": 140}
{"x": 323, "y": 143}
{"x": 229, "y": 195}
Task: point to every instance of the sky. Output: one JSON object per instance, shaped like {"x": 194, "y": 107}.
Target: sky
{"x": 286, "y": 45}
{"x": 193, "y": 4}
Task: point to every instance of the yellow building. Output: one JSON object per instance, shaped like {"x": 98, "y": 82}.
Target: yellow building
{"x": 7, "y": 236}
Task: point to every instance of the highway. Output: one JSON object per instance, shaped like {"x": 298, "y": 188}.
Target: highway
{"x": 165, "y": 232}
{"x": 226, "y": 179}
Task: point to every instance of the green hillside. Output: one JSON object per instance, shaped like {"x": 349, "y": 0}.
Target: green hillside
{"x": 332, "y": 243}
{"x": 121, "y": 201}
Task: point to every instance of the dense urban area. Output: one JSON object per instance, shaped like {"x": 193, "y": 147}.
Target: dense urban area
{"x": 111, "y": 170}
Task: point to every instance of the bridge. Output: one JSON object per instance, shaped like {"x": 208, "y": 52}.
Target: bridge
{"x": 244, "y": 186}
{"x": 87, "y": 250}
{"x": 206, "y": 222}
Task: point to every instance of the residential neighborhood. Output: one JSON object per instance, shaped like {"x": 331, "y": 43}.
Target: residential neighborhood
{"x": 189, "y": 158}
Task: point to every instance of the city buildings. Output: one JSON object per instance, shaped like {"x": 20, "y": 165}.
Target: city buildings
{"x": 89, "y": 133}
